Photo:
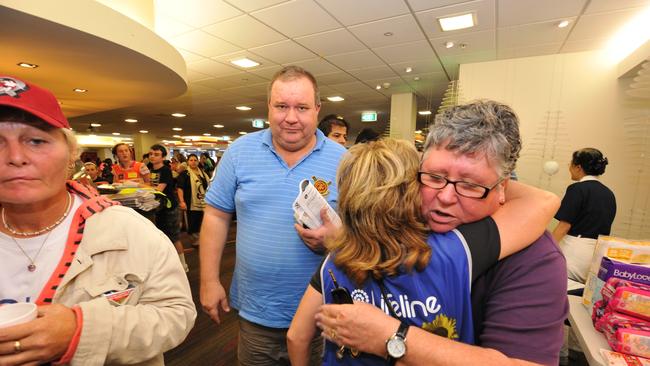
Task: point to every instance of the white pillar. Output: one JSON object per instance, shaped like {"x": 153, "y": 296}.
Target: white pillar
{"x": 403, "y": 109}
{"x": 141, "y": 144}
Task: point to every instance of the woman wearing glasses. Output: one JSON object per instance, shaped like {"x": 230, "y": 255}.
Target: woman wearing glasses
{"x": 385, "y": 255}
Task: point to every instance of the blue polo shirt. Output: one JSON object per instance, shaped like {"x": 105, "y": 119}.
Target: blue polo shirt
{"x": 273, "y": 264}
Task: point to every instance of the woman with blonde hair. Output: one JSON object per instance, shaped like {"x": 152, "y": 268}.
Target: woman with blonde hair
{"x": 108, "y": 285}
{"x": 385, "y": 255}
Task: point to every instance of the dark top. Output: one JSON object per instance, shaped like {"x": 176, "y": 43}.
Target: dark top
{"x": 164, "y": 175}
{"x": 519, "y": 305}
{"x": 482, "y": 238}
{"x": 590, "y": 208}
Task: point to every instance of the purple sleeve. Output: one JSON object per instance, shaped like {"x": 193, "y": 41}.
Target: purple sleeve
{"x": 520, "y": 304}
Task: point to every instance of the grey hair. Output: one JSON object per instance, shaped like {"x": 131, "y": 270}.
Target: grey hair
{"x": 293, "y": 72}
{"x": 482, "y": 126}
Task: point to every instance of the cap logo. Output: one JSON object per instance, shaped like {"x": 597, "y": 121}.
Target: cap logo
{"x": 12, "y": 87}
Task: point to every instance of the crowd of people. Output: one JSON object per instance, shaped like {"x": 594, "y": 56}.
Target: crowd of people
{"x": 440, "y": 258}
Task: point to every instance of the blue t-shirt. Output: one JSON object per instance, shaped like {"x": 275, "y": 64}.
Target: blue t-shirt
{"x": 436, "y": 299}
{"x": 273, "y": 264}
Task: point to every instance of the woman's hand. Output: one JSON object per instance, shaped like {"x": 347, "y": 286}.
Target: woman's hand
{"x": 182, "y": 206}
{"x": 41, "y": 340}
{"x": 360, "y": 326}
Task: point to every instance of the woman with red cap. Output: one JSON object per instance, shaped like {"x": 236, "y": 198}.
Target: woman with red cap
{"x": 108, "y": 285}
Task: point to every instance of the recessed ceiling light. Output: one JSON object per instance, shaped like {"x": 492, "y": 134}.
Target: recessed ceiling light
{"x": 177, "y": 129}
{"x": 131, "y": 120}
{"x": 335, "y": 98}
{"x": 242, "y": 132}
{"x": 178, "y": 115}
{"x": 80, "y": 90}
{"x": 177, "y": 136}
{"x": 207, "y": 134}
{"x": 217, "y": 126}
{"x": 116, "y": 133}
{"x": 388, "y": 34}
{"x": 416, "y": 78}
{"x": 144, "y": 131}
{"x": 95, "y": 125}
{"x": 408, "y": 69}
{"x": 245, "y": 62}
{"x": 456, "y": 22}
{"x": 449, "y": 44}
{"x": 424, "y": 113}
{"x": 27, "y": 65}
{"x": 563, "y": 24}
{"x": 226, "y": 138}
{"x": 378, "y": 87}
{"x": 243, "y": 108}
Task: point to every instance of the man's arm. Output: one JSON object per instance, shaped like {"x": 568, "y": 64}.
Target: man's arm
{"x": 524, "y": 216}
{"x": 212, "y": 239}
{"x": 366, "y": 328}
{"x": 561, "y": 230}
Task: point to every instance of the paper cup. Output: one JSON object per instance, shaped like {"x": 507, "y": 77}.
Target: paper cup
{"x": 13, "y": 314}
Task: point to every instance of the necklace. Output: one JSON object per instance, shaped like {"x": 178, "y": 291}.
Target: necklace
{"x": 32, "y": 265}
{"x": 41, "y": 231}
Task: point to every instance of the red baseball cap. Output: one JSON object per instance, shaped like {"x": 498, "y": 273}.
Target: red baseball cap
{"x": 32, "y": 99}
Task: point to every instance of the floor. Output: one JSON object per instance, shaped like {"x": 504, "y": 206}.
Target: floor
{"x": 212, "y": 344}
{"x": 208, "y": 343}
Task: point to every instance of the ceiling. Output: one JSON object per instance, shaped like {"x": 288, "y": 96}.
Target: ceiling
{"x": 351, "y": 46}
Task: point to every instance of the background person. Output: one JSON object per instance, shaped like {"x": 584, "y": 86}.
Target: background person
{"x": 382, "y": 250}
{"x": 587, "y": 210}
{"x": 107, "y": 283}
{"x": 126, "y": 169}
{"x": 192, "y": 184}
{"x": 258, "y": 177}
{"x": 520, "y": 304}
{"x": 106, "y": 170}
{"x": 207, "y": 164}
{"x": 167, "y": 214}
{"x": 91, "y": 175}
{"x": 335, "y": 128}
{"x": 367, "y": 135}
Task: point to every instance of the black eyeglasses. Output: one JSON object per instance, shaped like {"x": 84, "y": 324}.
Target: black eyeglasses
{"x": 465, "y": 189}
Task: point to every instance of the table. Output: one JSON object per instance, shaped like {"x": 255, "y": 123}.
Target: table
{"x": 590, "y": 339}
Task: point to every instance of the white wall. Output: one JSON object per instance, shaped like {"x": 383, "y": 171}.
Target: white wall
{"x": 566, "y": 102}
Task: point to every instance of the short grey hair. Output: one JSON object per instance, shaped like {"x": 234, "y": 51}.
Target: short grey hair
{"x": 482, "y": 126}
{"x": 293, "y": 72}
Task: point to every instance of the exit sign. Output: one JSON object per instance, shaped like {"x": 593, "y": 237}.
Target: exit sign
{"x": 369, "y": 117}
{"x": 258, "y": 123}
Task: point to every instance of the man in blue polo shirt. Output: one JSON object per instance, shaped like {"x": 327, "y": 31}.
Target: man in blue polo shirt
{"x": 258, "y": 178}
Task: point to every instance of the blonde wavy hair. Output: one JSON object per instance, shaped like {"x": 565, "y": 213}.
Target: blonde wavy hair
{"x": 379, "y": 204}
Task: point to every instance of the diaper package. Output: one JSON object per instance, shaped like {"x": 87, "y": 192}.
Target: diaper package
{"x": 612, "y": 268}
{"x": 619, "y": 249}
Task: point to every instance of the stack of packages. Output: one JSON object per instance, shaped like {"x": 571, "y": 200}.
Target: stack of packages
{"x": 140, "y": 198}
{"x": 618, "y": 290}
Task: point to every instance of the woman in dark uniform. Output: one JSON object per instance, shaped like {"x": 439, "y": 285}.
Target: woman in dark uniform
{"x": 587, "y": 210}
